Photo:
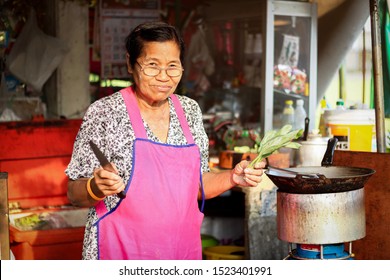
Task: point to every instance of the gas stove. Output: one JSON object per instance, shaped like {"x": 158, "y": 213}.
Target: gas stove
{"x": 320, "y": 252}
{"x": 321, "y": 226}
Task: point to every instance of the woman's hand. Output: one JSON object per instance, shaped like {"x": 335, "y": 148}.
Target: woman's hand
{"x": 242, "y": 175}
{"x": 106, "y": 182}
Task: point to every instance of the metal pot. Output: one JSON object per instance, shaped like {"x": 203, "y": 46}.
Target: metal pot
{"x": 312, "y": 150}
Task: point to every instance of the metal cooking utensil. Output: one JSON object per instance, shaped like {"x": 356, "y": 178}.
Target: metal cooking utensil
{"x": 104, "y": 163}
{"x": 276, "y": 170}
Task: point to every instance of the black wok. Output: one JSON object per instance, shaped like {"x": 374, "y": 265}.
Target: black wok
{"x": 321, "y": 179}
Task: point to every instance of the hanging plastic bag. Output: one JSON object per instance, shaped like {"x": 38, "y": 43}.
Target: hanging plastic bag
{"x": 9, "y": 115}
{"x": 35, "y": 55}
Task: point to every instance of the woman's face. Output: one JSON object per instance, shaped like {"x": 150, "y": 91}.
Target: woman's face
{"x": 154, "y": 89}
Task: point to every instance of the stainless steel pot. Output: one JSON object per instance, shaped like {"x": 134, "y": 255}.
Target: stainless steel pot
{"x": 312, "y": 151}
{"x": 325, "y": 218}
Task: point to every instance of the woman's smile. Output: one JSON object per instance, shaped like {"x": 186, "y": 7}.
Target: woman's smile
{"x": 163, "y": 88}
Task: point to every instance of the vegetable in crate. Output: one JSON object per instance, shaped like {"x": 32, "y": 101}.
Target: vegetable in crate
{"x": 274, "y": 140}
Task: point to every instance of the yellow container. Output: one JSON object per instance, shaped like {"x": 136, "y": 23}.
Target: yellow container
{"x": 354, "y": 129}
{"x": 224, "y": 253}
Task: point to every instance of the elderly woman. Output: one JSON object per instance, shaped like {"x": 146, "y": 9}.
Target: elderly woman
{"x": 157, "y": 144}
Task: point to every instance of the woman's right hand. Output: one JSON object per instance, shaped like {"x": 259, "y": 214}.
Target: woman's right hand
{"x": 106, "y": 183}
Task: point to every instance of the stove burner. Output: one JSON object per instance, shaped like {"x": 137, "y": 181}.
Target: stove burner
{"x": 319, "y": 252}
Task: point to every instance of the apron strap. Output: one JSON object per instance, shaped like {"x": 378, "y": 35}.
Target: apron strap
{"x": 182, "y": 118}
{"x": 134, "y": 113}
{"x": 136, "y": 119}
{"x": 190, "y": 140}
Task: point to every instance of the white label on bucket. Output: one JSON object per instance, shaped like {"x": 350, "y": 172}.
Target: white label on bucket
{"x": 342, "y": 135}
{"x": 343, "y": 143}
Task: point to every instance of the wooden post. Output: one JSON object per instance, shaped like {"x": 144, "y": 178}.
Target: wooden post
{"x": 4, "y": 218}
{"x": 378, "y": 77}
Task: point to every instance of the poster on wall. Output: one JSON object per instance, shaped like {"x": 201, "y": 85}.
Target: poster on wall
{"x": 289, "y": 55}
{"x": 117, "y": 19}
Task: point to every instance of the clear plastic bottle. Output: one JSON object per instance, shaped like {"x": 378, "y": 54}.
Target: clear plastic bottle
{"x": 300, "y": 115}
{"x": 288, "y": 116}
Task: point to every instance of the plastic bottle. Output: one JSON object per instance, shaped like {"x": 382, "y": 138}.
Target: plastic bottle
{"x": 249, "y": 44}
{"x": 340, "y": 104}
{"x": 300, "y": 115}
{"x": 288, "y": 116}
{"x": 321, "y": 125}
{"x": 257, "y": 44}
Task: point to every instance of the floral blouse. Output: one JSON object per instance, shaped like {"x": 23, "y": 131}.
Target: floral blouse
{"x": 107, "y": 123}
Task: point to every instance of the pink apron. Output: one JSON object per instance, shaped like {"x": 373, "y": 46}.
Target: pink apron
{"x": 160, "y": 217}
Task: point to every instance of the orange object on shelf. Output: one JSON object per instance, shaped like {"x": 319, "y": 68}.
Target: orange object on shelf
{"x": 35, "y": 155}
{"x": 228, "y": 159}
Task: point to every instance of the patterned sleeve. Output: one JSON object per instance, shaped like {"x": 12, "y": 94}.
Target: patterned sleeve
{"x": 100, "y": 123}
{"x": 82, "y": 161}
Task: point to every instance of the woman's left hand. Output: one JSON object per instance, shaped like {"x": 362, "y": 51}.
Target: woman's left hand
{"x": 242, "y": 175}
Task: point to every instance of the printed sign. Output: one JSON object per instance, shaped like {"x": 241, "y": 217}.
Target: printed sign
{"x": 117, "y": 19}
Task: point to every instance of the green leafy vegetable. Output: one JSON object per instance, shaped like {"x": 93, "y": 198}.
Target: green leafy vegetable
{"x": 274, "y": 140}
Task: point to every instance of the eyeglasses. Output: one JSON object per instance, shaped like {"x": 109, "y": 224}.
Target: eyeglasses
{"x": 153, "y": 71}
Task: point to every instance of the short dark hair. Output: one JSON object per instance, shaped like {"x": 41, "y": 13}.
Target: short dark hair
{"x": 156, "y": 31}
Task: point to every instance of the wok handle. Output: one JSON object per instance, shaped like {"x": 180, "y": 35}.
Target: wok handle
{"x": 328, "y": 157}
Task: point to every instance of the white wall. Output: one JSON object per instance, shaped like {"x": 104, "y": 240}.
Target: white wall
{"x": 73, "y": 93}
